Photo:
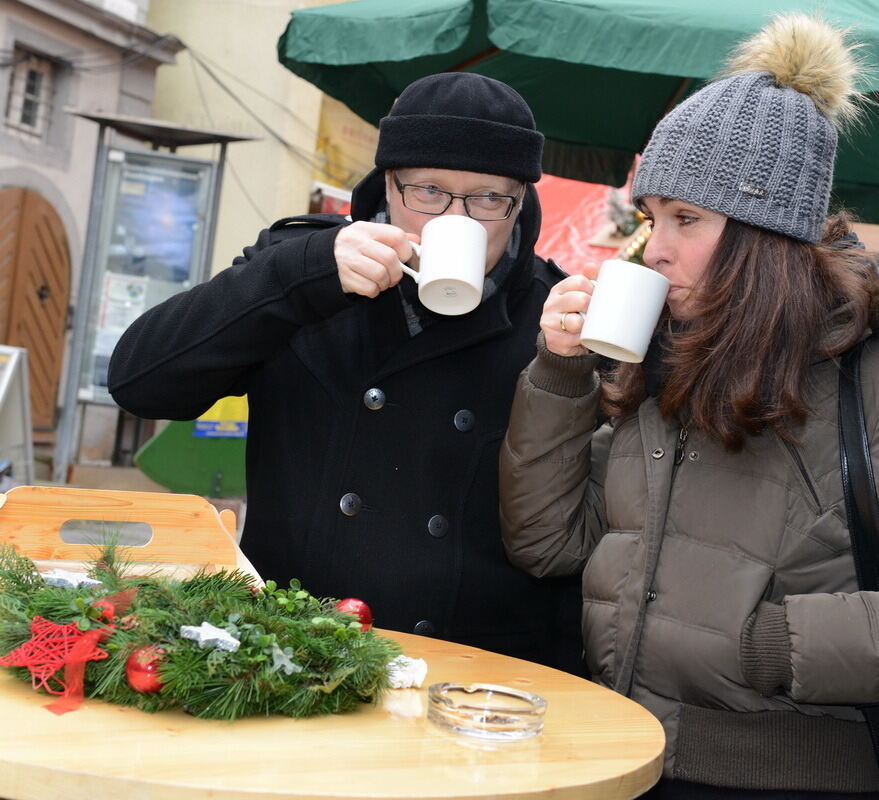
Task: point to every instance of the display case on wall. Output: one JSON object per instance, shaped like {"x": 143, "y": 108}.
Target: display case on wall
{"x": 151, "y": 243}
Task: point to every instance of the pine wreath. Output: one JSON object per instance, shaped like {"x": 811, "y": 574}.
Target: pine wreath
{"x": 294, "y": 654}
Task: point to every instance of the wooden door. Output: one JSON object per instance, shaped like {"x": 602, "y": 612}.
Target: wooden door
{"x": 34, "y": 292}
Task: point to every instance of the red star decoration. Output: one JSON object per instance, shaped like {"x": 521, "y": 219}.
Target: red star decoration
{"x": 50, "y": 648}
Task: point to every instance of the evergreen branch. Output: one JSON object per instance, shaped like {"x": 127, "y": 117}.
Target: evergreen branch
{"x": 297, "y": 655}
{"x": 18, "y": 575}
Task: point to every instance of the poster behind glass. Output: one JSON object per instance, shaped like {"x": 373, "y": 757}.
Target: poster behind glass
{"x": 151, "y": 246}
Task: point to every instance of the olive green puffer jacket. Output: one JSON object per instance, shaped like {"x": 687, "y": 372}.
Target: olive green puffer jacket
{"x": 719, "y": 589}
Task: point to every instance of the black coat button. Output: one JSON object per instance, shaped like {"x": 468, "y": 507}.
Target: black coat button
{"x": 350, "y": 504}
{"x": 465, "y": 420}
{"x": 424, "y": 628}
{"x": 651, "y": 596}
{"x": 438, "y": 526}
{"x": 374, "y": 399}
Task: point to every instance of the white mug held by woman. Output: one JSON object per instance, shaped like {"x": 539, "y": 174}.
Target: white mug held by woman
{"x": 625, "y": 306}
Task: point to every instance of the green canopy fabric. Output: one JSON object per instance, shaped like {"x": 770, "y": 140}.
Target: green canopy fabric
{"x": 598, "y": 74}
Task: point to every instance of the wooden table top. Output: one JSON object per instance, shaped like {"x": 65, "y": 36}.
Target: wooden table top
{"x": 595, "y": 744}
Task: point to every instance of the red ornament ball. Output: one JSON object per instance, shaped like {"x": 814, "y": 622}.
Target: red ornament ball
{"x": 351, "y": 605}
{"x": 107, "y": 609}
{"x": 142, "y": 669}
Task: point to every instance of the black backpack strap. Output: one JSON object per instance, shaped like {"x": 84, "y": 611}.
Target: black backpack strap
{"x": 313, "y": 220}
{"x": 858, "y": 482}
{"x": 293, "y": 227}
{"x": 859, "y": 488}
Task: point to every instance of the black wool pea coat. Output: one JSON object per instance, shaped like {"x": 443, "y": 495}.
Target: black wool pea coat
{"x": 371, "y": 454}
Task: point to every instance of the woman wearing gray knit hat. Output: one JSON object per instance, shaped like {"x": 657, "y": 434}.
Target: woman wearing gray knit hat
{"x": 708, "y": 516}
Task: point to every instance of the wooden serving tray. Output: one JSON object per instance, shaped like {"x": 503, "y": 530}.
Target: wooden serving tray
{"x": 180, "y": 533}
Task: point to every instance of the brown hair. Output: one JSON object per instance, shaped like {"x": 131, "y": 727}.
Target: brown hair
{"x": 770, "y": 305}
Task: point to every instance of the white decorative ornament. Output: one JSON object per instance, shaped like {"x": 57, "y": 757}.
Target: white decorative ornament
{"x": 405, "y": 672}
{"x": 280, "y": 660}
{"x": 403, "y": 704}
{"x": 208, "y": 635}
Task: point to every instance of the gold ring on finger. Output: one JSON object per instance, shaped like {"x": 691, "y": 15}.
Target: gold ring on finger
{"x": 562, "y": 321}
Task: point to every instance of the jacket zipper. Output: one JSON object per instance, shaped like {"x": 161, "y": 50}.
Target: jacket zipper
{"x": 807, "y": 481}
{"x": 683, "y": 435}
{"x": 679, "y": 448}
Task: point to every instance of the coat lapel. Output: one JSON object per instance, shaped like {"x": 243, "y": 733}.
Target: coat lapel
{"x": 448, "y": 335}
{"x": 344, "y": 351}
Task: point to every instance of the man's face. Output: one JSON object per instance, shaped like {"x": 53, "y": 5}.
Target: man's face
{"x": 457, "y": 182}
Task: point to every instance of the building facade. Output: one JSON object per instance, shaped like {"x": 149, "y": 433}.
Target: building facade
{"x": 57, "y": 56}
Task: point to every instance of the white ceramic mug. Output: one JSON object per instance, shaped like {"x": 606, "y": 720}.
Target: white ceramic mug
{"x": 451, "y": 264}
{"x": 625, "y": 307}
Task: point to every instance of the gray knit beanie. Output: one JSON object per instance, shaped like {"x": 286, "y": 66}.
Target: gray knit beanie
{"x": 759, "y": 145}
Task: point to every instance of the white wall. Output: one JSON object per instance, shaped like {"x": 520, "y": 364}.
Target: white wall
{"x": 237, "y": 39}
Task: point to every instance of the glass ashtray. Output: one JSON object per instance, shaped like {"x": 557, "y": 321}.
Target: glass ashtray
{"x": 485, "y": 711}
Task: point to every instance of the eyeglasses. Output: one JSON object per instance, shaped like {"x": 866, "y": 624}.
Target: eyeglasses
{"x": 429, "y": 200}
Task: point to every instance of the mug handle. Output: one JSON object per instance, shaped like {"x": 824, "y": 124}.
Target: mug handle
{"x": 408, "y": 270}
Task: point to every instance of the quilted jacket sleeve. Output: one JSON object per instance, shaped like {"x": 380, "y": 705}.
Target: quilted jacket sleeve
{"x": 181, "y": 356}
{"x": 822, "y": 648}
{"x": 552, "y": 465}
{"x": 834, "y": 647}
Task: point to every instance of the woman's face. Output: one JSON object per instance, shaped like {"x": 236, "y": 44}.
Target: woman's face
{"x": 680, "y": 246}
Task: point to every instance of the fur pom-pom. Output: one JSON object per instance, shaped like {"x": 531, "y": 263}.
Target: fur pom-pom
{"x": 806, "y": 54}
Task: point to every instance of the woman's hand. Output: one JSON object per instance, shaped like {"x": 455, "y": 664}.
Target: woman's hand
{"x": 561, "y": 322}
{"x": 369, "y": 256}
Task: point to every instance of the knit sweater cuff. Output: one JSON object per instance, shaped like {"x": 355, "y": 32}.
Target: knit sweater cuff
{"x": 567, "y": 376}
{"x": 766, "y": 650}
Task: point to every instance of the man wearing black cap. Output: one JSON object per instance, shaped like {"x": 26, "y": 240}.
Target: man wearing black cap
{"x": 374, "y": 423}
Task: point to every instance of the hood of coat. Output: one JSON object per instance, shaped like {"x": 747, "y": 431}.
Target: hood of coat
{"x": 369, "y": 196}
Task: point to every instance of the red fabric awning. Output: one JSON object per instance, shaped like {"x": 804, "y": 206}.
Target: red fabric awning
{"x": 574, "y": 212}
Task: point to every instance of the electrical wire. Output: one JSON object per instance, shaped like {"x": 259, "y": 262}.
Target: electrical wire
{"x": 210, "y": 67}
{"x": 263, "y": 217}
{"x": 137, "y": 55}
{"x": 350, "y": 175}
{"x": 269, "y": 99}
{"x": 69, "y": 61}
{"x": 258, "y": 92}
{"x": 289, "y": 146}
{"x": 309, "y": 160}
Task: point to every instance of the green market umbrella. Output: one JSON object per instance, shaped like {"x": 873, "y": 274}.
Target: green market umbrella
{"x": 598, "y": 74}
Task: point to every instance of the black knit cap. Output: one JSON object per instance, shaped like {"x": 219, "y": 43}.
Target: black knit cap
{"x": 459, "y": 120}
